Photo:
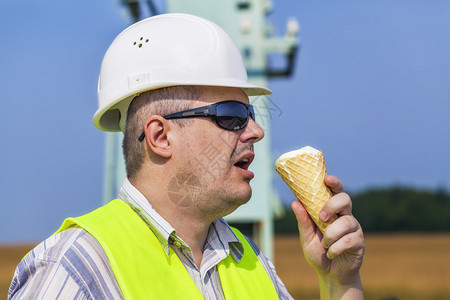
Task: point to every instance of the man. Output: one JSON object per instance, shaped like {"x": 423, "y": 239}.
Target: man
{"x": 175, "y": 85}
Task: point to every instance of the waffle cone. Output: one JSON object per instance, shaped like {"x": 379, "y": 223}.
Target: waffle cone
{"x": 304, "y": 172}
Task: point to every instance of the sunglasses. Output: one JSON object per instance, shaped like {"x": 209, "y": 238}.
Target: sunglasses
{"x": 229, "y": 115}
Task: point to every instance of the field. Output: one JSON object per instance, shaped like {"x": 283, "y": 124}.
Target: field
{"x": 395, "y": 267}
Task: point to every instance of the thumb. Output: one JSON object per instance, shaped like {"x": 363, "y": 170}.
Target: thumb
{"x": 306, "y": 226}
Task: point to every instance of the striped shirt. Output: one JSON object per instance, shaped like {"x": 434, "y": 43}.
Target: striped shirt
{"x": 73, "y": 265}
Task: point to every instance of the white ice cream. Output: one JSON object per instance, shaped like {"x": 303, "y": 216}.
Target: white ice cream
{"x": 307, "y": 150}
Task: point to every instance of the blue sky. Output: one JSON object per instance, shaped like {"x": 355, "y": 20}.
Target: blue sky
{"x": 371, "y": 86}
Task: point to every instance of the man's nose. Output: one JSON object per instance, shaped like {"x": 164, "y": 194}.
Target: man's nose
{"x": 252, "y": 133}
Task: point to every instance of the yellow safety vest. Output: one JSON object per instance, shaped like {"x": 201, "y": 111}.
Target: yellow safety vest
{"x": 143, "y": 269}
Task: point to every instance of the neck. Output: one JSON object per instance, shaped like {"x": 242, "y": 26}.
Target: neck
{"x": 190, "y": 230}
{"x": 179, "y": 211}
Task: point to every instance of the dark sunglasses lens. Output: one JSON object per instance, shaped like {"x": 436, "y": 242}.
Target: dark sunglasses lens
{"x": 252, "y": 112}
{"x": 232, "y": 116}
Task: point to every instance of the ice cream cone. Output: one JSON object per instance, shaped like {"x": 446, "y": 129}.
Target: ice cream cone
{"x": 304, "y": 172}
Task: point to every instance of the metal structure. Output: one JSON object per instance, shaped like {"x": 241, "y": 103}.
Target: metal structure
{"x": 245, "y": 21}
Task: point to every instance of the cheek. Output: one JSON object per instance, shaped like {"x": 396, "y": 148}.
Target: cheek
{"x": 227, "y": 140}
{"x": 209, "y": 149}
{"x": 213, "y": 161}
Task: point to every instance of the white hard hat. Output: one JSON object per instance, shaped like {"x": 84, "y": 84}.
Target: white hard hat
{"x": 166, "y": 50}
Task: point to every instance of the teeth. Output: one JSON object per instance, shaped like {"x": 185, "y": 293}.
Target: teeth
{"x": 245, "y": 160}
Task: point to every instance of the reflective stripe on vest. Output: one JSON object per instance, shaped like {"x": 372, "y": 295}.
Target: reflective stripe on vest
{"x": 143, "y": 269}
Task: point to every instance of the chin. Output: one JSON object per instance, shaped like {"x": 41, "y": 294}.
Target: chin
{"x": 234, "y": 204}
{"x": 244, "y": 195}
{"x": 239, "y": 195}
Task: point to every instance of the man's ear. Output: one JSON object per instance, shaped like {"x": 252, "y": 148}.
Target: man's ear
{"x": 156, "y": 135}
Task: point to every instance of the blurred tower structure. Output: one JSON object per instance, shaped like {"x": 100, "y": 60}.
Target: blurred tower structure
{"x": 245, "y": 21}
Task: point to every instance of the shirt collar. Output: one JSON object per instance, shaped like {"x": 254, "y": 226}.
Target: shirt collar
{"x": 160, "y": 227}
{"x": 221, "y": 232}
{"x": 220, "y": 236}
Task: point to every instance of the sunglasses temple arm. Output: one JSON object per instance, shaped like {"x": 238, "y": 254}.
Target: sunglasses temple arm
{"x": 142, "y": 136}
{"x": 189, "y": 114}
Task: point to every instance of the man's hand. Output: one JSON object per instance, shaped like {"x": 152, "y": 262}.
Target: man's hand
{"x": 337, "y": 254}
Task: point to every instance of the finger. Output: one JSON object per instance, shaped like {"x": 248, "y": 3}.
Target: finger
{"x": 334, "y": 184}
{"x": 339, "y": 204}
{"x": 306, "y": 226}
{"x": 339, "y": 228}
{"x": 352, "y": 242}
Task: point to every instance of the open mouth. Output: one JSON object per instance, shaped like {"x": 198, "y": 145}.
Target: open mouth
{"x": 243, "y": 163}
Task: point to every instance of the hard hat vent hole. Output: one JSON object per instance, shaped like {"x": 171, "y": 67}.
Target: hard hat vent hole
{"x": 141, "y": 42}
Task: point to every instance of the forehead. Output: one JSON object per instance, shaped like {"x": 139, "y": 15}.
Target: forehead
{"x": 211, "y": 94}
